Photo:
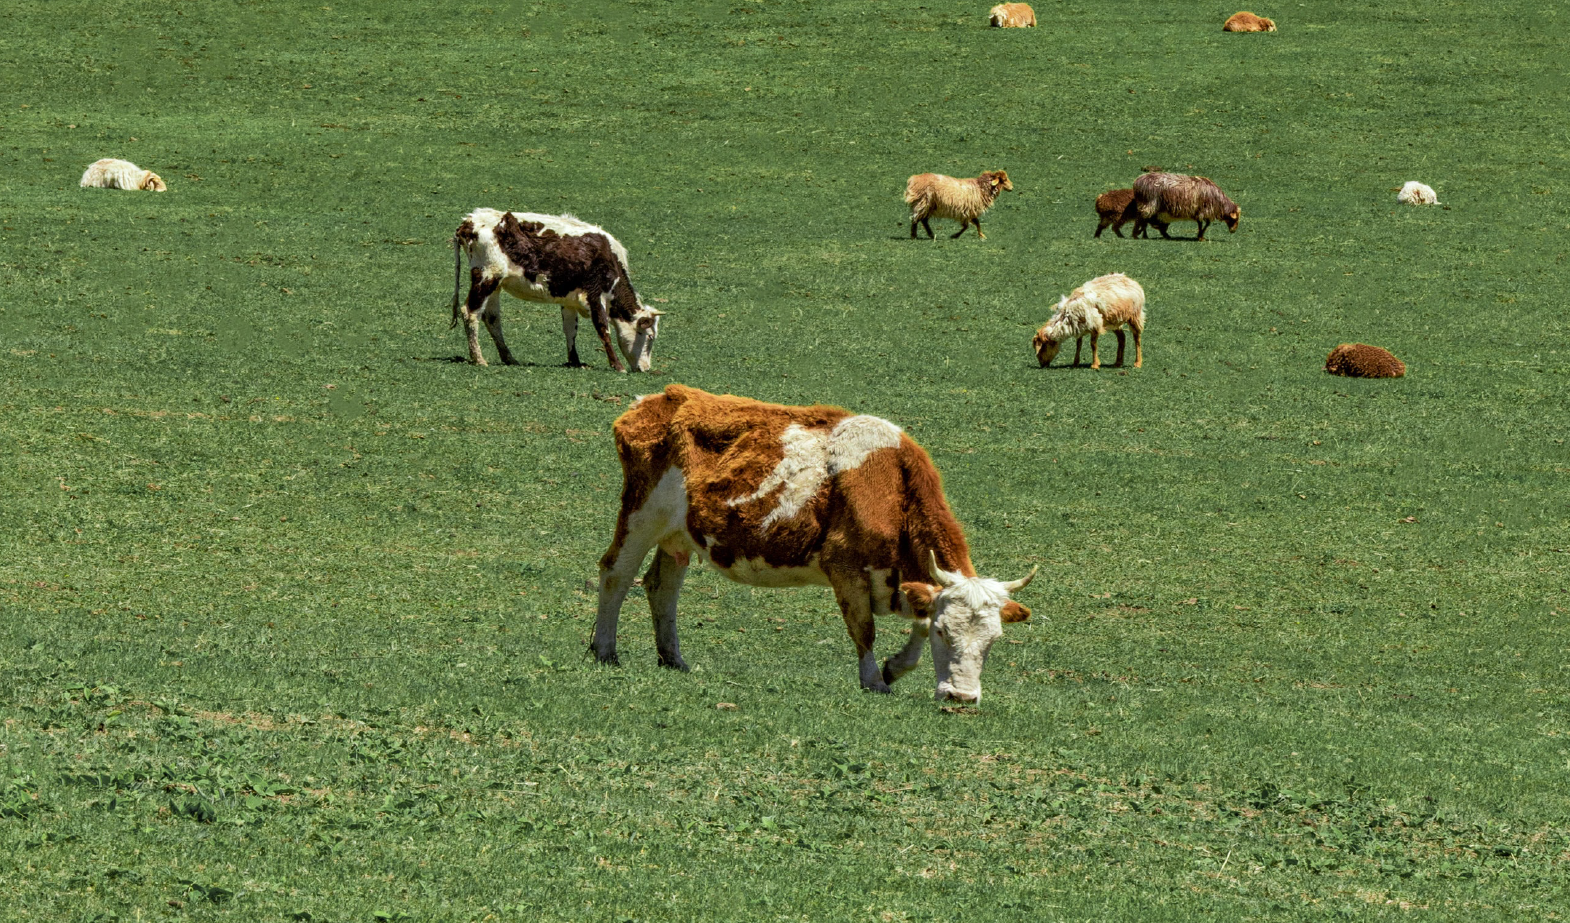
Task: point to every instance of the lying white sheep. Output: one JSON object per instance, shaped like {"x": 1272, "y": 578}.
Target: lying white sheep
{"x": 120, "y": 174}
{"x": 1415, "y": 193}
{"x": 1102, "y": 304}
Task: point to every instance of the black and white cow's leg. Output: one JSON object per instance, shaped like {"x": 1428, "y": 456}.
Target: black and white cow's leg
{"x": 600, "y": 314}
{"x": 569, "y": 329}
{"x": 492, "y": 315}
{"x": 856, "y": 607}
{"x": 662, "y": 584}
{"x": 480, "y": 290}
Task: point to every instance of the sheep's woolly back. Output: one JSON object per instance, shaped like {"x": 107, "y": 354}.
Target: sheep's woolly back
{"x": 1102, "y": 304}
{"x": 1248, "y": 22}
{"x": 1359, "y": 360}
{"x": 110, "y": 173}
{"x": 933, "y": 195}
{"x": 1112, "y": 204}
{"x": 1415, "y": 193}
{"x": 1013, "y": 16}
{"x": 1185, "y": 198}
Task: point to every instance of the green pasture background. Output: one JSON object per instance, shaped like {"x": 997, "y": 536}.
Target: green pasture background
{"x": 295, "y": 604}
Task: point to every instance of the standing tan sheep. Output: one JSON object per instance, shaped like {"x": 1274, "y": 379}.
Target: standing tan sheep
{"x": 933, "y": 195}
{"x": 1104, "y": 303}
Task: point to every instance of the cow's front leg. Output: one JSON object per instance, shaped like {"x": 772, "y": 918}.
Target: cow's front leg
{"x": 909, "y": 655}
{"x": 856, "y": 608}
{"x": 600, "y": 314}
{"x": 569, "y": 329}
{"x": 492, "y": 315}
{"x": 662, "y": 584}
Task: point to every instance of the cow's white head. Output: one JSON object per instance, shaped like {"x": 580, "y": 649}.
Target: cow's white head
{"x": 967, "y": 616}
{"x": 636, "y": 336}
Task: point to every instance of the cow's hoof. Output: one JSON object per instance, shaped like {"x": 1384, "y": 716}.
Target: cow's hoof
{"x": 880, "y": 687}
{"x": 675, "y": 664}
{"x": 610, "y": 660}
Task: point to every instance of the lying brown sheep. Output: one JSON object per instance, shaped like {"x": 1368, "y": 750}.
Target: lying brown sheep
{"x": 1248, "y": 22}
{"x": 1359, "y": 360}
{"x": 1012, "y": 16}
{"x": 933, "y": 195}
{"x": 1163, "y": 198}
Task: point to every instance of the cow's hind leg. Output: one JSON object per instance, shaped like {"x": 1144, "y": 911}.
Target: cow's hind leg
{"x": 662, "y": 584}
{"x": 856, "y": 607}
{"x": 481, "y": 290}
{"x": 492, "y": 315}
{"x": 617, "y": 569}
{"x": 569, "y": 329}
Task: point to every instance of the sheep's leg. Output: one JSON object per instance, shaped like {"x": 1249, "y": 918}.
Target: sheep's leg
{"x": 480, "y": 290}
{"x": 1119, "y": 362}
{"x": 569, "y": 329}
{"x": 913, "y": 222}
{"x": 492, "y": 315}
{"x": 1139, "y": 354}
{"x": 930, "y": 235}
{"x": 979, "y": 232}
{"x": 964, "y": 226}
{"x": 1077, "y": 344}
{"x": 1162, "y": 227}
{"x": 1102, "y": 227}
{"x": 1202, "y": 226}
{"x": 1095, "y": 349}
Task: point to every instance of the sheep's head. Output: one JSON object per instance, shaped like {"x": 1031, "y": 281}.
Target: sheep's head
{"x": 154, "y": 182}
{"x": 1231, "y": 218}
{"x": 998, "y": 180}
{"x": 1046, "y": 347}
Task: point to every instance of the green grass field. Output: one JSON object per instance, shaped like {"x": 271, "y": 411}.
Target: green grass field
{"x": 294, "y": 603}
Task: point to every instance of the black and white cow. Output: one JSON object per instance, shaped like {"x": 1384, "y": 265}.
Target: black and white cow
{"x": 552, "y": 259}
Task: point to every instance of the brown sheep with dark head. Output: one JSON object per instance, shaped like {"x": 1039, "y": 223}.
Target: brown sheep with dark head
{"x": 1359, "y": 360}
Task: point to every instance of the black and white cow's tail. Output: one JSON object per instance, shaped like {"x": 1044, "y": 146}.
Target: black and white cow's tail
{"x": 457, "y": 278}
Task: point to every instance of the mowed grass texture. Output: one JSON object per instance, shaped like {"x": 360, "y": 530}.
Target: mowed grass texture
{"x": 295, "y": 605}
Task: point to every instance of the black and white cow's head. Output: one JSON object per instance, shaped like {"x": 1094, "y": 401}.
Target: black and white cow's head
{"x": 636, "y": 335}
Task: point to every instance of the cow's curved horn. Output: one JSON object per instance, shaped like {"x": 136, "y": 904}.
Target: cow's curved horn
{"x": 1016, "y": 585}
{"x": 938, "y": 574}
{"x": 654, "y": 312}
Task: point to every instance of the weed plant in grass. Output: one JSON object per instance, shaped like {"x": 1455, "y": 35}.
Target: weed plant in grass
{"x": 294, "y": 602}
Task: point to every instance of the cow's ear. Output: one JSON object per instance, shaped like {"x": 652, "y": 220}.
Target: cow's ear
{"x": 920, "y": 596}
{"x": 1014, "y": 612}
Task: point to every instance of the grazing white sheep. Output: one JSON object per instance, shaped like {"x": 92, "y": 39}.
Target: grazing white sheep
{"x": 933, "y": 195}
{"x": 1102, "y": 304}
{"x": 120, "y": 174}
{"x": 1415, "y": 193}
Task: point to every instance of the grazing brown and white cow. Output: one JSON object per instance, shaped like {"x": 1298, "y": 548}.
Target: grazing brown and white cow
{"x": 552, "y": 259}
{"x": 778, "y": 496}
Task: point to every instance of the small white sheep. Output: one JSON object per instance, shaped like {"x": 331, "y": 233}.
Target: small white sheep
{"x": 1104, "y": 303}
{"x": 933, "y": 195}
{"x": 120, "y": 174}
{"x": 1415, "y": 193}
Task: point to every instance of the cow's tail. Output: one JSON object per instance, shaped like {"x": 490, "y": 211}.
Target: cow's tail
{"x": 457, "y": 278}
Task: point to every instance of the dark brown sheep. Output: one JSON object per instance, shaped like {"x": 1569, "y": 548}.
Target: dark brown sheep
{"x": 1359, "y": 360}
{"x": 1163, "y": 198}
